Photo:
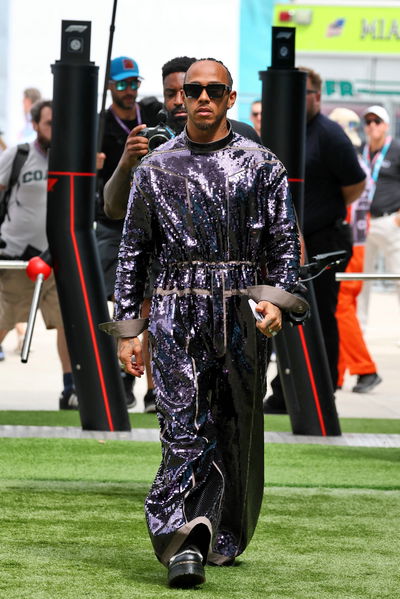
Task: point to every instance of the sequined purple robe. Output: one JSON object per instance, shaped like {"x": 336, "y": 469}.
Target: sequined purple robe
{"x": 219, "y": 218}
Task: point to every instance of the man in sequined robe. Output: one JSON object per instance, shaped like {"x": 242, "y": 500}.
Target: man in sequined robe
{"x": 214, "y": 207}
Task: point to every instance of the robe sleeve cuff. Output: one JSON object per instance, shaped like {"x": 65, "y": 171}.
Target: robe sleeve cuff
{"x": 288, "y": 302}
{"x": 125, "y": 328}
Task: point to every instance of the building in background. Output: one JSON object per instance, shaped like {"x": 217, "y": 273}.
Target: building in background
{"x": 354, "y": 45}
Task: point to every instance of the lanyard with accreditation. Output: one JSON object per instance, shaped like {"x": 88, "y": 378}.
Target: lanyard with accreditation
{"x": 376, "y": 163}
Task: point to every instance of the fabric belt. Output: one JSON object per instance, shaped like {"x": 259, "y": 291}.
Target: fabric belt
{"x": 218, "y": 281}
{"x": 229, "y": 264}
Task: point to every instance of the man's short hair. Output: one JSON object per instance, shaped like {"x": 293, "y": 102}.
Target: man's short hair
{"x": 315, "y": 78}
{"x": 33, "y": 94}
{"x": 180, "y": 64}
{"x": 36, "y": 110}
{"x": 230, "y": 80}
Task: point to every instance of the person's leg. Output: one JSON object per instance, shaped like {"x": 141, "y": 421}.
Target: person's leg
{"x": 108, "y": 238}
{"x": 372, "y": 245}
{"x": 326, "y": 292}
{"x": 63, "y": 352}
{"x": 353, "y": 355}
{"x": 183, "y": 504}
{"x": 275, "y": 403}
{"x": 50, "y": 308}
{"x": 20, "y": 329}
{"x": 392, "y": 249}
{"x": 3, "y": 333}
{"x": 68, "y": 399}
{"x": 237, "y": 412}
{"x": 326, "y": 289}
{"x": 15, "y": 297}
{"x": 353, "y": 347}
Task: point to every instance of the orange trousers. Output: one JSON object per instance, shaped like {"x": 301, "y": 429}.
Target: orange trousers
{"x": 353, "y": 352}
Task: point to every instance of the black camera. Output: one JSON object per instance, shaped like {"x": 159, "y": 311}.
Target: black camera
{"x": 160, "y": 134}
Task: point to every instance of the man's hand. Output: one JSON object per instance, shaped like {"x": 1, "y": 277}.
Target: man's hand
{"x": 136, "y": 146}
{"x": 130, "y": 355}
{"x": 397, "y": 218}
{"x": 272, "y": 322}
{"x": 100, "y": 158}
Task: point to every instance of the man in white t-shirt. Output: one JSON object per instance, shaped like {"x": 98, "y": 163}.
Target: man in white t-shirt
{"x": 24, "y": 233}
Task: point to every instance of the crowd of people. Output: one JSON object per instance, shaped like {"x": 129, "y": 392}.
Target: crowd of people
{"x": 179, "y": 269}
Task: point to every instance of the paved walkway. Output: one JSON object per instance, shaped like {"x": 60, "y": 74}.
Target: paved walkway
{"x": 150, "y": 434}
{"x": 37, "y": 384}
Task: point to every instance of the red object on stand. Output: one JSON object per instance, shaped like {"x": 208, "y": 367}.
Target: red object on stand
{"x": 37, "y": 266}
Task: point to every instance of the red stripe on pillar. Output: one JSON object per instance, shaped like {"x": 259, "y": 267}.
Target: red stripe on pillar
{"x": 312, "y": 380}
{"x": 85, "y": 293}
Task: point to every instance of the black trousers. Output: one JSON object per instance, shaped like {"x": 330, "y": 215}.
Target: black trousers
{"x": 331, "y": 239}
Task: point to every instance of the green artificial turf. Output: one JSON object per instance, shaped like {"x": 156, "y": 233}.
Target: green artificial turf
{"x": 72, "y": 524}
{"x": 281, "y": 423}
{"x": 278, "y": 423}
{"x": 64, "y": 418}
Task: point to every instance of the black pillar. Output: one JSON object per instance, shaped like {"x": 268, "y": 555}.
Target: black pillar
{"x": 70, "y": 215}
{"x": 301, "y": 355}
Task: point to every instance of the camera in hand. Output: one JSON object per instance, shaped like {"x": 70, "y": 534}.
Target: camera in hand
{"x": 159, "y": 134}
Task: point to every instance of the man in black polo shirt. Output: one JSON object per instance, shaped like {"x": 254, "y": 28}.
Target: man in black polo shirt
{"x": 333, "y": 179}
{"x": 122, "y": 116}
{"x": 382, "y": 154}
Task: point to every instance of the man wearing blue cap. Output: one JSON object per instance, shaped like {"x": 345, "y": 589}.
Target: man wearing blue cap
{"x": 123, "y": 115}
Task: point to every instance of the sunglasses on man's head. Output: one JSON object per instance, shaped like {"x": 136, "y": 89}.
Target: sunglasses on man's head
{"x": 214, "y": 90}
{"x": 375, "y": 120}
{"x": 121, "y": 86}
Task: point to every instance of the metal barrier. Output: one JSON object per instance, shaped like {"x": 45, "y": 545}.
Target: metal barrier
{"x": 366, "y": 276}
{"x": 13, "y": 265}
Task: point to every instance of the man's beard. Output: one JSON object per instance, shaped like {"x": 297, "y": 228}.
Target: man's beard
{"x": 120, "y": 102}
{"x": 43, "y": 142}
{"x": 176, "y": 124}
{"x": 204, "y": 126}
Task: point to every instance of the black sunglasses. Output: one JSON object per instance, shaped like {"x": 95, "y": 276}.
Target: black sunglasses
{"x": 121, "y": 86}
{"x": 376, "y": 120}
{"x": 214, "y": 90}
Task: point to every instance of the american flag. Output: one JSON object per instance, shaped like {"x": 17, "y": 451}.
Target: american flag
{"x": 335, "y": 28}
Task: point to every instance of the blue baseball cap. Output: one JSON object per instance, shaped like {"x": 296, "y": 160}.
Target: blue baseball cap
{"x": 123, "y": 67}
